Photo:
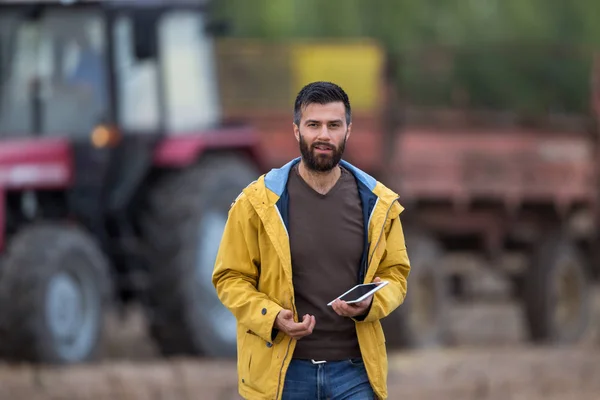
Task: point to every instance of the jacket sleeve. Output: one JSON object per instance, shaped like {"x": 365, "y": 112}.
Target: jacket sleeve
{"x": 394, "y": 267}
{"x": 236, "y": 272}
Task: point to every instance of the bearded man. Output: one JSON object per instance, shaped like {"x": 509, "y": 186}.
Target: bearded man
{"x": 298, "y": 237}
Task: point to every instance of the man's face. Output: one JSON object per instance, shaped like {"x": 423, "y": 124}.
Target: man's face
{"x": 322, "y": 135}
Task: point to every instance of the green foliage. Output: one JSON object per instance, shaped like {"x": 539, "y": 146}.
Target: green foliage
{"x": 507, "y": 54}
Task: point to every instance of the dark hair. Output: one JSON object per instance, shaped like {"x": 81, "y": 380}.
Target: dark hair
{"x": 321, "y": 93}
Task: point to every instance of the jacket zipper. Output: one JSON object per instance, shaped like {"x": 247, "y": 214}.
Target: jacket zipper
{"x": 365, "y": 264}
{"x": 371, "y": 216}
{"x": 381, "y": 232}
{"x": 287, "y": 351}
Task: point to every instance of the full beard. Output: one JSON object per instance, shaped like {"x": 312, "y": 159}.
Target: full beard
{"x": 321, "y": 162}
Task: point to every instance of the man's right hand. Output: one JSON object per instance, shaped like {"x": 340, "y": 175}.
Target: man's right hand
{"x": 297, "y": 330}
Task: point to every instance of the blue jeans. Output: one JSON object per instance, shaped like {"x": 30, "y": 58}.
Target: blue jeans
{"x": 333, "y": 380}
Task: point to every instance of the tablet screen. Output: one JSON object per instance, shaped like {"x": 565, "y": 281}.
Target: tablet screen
{"x": 359, "y": 291}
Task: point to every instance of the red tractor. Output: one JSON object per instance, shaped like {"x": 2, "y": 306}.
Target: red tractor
{"x": 116, "y": 175}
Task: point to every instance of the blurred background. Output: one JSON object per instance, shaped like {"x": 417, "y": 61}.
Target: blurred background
{"x": 127, "y": 128}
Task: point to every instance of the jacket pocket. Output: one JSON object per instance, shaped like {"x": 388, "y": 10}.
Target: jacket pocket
{"x": 244, "y": 359}
{"x": 256, "y": 362}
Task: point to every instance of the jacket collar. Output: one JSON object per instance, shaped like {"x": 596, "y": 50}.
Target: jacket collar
{"x": 276, "y": 179}
{"x": 272, "y": 186}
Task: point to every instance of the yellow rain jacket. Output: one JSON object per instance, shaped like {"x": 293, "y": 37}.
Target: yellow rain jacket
{"x": 253, "y": 279}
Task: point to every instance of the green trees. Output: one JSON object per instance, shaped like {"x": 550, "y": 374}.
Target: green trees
{"x": 528, "y": 55}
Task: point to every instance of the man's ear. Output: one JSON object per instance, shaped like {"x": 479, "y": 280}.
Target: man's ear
{"x": 297, "y": 132}
{"x": 348, "y": 131}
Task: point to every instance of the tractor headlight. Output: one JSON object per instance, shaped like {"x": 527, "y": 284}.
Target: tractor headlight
{"x": 105, "y": 136}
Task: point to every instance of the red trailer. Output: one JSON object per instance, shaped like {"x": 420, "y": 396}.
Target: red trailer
{"x": 509, "y": 192}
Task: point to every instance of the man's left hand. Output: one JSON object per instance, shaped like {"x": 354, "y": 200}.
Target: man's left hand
{"x": 353, "y": 310}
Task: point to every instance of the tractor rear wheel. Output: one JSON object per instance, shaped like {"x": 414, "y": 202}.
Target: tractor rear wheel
{"x": 183, "y": 226}
{"x": 421, "y": 321}
{"x": 54, "y": 283}
{"x": 558, "y": 301}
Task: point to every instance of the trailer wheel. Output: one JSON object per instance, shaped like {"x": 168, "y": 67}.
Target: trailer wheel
{"x": 54, "y": 284}
{"x": 183, "y": 225}
{"x": 421, "y": 321}
{"x": 558, "y": 302}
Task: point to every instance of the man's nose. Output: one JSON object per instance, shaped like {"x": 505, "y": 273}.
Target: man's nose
{"x": 324, "y": 134}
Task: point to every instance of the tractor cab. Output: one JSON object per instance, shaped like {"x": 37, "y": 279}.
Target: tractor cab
{"x": 114, "y": 156}
{"x": 141, "y": 66}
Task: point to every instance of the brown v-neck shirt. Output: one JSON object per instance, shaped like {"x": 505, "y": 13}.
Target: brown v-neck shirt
{"x": 326, "y": 239}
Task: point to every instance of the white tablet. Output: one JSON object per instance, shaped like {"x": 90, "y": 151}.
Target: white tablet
{"x": 360, "y": 292}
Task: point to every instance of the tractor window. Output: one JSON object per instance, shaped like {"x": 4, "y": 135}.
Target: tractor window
{"x": 55, "y": 81}
{"x": 73, "y": 72}
{"x": 187, "y": 61}
{"x": 7, "y": 26}
{"x": 137, "y": 82}
{"x": 17, "y": 70}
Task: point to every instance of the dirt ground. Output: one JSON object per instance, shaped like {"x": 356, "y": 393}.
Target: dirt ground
{"x": 500, "y": 373}
{"x": 490, "y": 361}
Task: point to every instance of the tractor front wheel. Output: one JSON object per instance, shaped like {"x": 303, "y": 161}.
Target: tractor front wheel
{"x": 54, "y": 283}
{"x": 183, "y": 225}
